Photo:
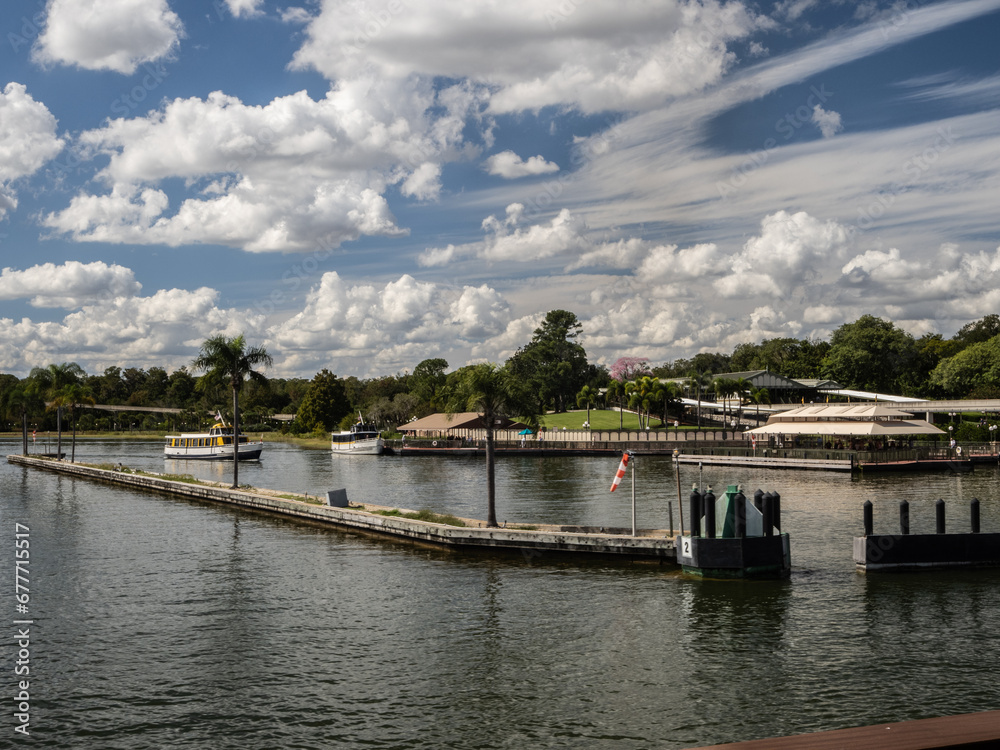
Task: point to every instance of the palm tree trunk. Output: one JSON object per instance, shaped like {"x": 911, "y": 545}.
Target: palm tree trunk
{"x": 491, "y": 490}
{"x": 24, "y": 432}
{"x": 58, "y": 433}
{"x": 72, "y": 455}
{"x": 236, "y": 438}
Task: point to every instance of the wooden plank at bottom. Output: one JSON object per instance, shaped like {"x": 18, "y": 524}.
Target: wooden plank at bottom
{"x": 978, "y": 730}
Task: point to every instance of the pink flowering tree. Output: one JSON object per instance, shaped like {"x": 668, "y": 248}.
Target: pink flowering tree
{"x": 629, "y": 368}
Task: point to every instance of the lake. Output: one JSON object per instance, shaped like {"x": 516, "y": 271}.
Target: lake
{"x": 159, "y": 622}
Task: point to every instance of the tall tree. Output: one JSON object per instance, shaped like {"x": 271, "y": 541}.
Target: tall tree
{"x": 324, "y": 404}
{"x": 22, "y": 400}
{"x": 427, "y": 380}
{"x": 73, "y": 396}
{"x": 698, "y": 381}
{"x": 493, "y": 392}
{"x": 724, "y": 388}
{"x": 629, "y": 368}
{"x": 49, "y": 382}
{"x": 587, "y": 397}
{"x": 975, "y": 367}
{"x": 760, "y": 396}
{"x": 616, "y": 391}
{"x": 872, "y": 354}
{"x": 230, "y": 361}
{"x": 978, "y": 331}
{"x": 553, "y": 365}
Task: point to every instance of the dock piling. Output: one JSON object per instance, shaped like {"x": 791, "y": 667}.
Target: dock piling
{"x": 904, "y": 517}
{"x": 939, "y": 515}
{"x": 869, "y": 517}
{"x": 740, "y": 520}
{"x": 974, "y": 515}
{"x": 708, "y": 503}
{"x": 694, "y": 505}
{"x": 767, "y": 512}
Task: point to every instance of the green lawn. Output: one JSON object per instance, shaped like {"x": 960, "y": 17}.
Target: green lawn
{"x": 600, "y": 419}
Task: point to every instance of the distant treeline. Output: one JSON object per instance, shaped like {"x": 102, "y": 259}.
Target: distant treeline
{"x": 869, "y": 354}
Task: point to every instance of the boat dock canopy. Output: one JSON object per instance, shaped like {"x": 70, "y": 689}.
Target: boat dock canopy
{"x": 453, "y": 424}
{"x": 845, "y": 419}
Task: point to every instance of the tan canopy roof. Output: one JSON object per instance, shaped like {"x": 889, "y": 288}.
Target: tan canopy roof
{"x": 845, "y": 419}
{"x": 443, "y": 422}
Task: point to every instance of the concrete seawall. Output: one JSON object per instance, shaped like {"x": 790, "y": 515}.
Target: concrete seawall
{"x": 650, "y": 545}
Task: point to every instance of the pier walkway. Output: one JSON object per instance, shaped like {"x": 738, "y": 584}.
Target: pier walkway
{"x": 528, "y": 539}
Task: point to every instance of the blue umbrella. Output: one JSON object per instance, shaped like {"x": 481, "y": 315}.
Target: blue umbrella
{"x": 526, "y": 431}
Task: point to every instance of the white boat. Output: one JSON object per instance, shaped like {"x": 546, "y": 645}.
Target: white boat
{"x": 361, "y": 439}
{"x": 217, "y": 444}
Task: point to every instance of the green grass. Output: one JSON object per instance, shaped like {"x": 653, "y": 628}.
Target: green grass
{"x": 423, "y": 515}
{"x": 186, "y": 478}
{"x": 600, "y": 419}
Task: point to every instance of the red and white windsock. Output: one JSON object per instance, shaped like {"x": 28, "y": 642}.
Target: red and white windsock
{"x": 621, "y": 472}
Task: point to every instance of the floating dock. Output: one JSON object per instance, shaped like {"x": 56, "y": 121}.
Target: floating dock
{"x": 905, "y": 551}
{"x": 530, "y": 540}
{"x": 768, "y": 462}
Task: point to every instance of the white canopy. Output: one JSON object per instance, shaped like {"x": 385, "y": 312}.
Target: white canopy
{"x": 845, "y": 419}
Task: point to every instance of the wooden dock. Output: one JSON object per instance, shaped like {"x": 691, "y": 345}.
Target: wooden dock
{"x": 978, "y": 730}
{"x": 768, "y": 462}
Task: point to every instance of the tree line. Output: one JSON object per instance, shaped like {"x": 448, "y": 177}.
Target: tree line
{"x": 551, "y": 372}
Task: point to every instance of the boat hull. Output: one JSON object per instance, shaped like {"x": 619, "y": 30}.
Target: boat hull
{"x": 248, "y": 452}
{"x": 364, "y": 447}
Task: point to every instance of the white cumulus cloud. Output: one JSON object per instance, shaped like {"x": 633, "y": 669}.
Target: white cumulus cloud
{"x": 116, "y": 35}
{"x": 598, "y": 55}
{"x": 69, "y": 285}
{"x": 509, "y": 165}
{"x": 28, "y": 140}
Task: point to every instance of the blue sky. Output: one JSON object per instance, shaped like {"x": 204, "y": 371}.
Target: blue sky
{"x": 364, "y": 185}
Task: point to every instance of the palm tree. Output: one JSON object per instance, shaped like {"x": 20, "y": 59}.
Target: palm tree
{"x": 73, "y": 395}
{"x": 49, "y": 382}
{"x": 643, "y": 392}
{"x": 587, "y": 397}
{"x": 616, "y": 390}
{"x": 229, "y": 361}
{"x": 696, "y": 380}
{"x": 669, "y": 392}
{"x": 492, "y": 392}
{"x": 724, "y": 388}
{"x": 760, "y": 396}
{"x": 23, "y": 399}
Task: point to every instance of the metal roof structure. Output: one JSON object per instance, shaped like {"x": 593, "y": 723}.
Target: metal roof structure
{"x": 845, "y": 419}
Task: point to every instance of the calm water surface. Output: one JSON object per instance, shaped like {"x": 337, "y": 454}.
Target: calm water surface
{"x": 159, "y": 622}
